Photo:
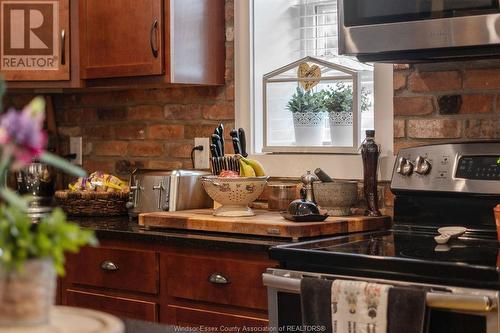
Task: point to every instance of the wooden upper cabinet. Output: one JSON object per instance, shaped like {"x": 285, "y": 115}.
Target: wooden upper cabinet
{"x": 121, "y": 38}
{"x": 35, "y": 40}
{"x": 112, "y": 43}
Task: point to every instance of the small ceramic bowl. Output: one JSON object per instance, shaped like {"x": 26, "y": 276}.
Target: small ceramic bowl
{"x": 336, "y": 197}
{"x": 234, "y": 194}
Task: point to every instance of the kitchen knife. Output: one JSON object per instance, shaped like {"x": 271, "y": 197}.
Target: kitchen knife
{"x": 243, "y": 142}
{"x": 213, "y": 150}
{"x": 234, "y": 135}
{"x": 221, "y": 135}
{"x": 236, "y": 145}
{"x": 217, "y": 142}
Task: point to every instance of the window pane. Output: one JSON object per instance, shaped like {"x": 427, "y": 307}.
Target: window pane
{"x": 284, "y": 32}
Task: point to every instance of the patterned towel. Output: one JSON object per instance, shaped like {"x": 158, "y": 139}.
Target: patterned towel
{"x": 359, "y": 307}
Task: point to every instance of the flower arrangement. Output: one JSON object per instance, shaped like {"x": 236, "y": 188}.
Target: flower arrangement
{"x": 22, "y": 140}
{"x": 30, "y": 253}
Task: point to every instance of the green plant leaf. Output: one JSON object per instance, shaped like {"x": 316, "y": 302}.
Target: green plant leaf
{"x": 13, "y": 199}
{"x": 62, "y": 164}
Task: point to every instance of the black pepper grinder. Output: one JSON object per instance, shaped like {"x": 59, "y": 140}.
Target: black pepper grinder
{"x": 370, "y": 153}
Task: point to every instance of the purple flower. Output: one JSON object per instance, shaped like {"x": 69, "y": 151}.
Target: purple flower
{"x": 21, "y": 133}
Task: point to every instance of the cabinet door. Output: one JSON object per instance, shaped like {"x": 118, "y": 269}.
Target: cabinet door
{"x": 118, "y": 306}
{"x": 34, "y": 40}
{"x": 121, "y": 38}
{"x": 189, "y": 317}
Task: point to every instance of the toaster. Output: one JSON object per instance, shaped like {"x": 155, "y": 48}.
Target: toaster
{"x": 168, "y": 191}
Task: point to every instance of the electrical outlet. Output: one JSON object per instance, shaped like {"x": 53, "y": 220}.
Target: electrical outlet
{"x": 75, "y": 147}
{"x": 201, "y": 158}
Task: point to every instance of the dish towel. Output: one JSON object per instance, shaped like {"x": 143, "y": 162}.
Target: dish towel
{"x": 359, "y": 307}
{"x": 407, "y": 310}
{"x": 315, "y": 301}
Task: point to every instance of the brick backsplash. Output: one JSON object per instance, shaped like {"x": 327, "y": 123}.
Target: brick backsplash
{"x": 446, "y": 101}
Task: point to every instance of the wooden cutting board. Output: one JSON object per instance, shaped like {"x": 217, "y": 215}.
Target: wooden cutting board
{"x": 265, "y": 223}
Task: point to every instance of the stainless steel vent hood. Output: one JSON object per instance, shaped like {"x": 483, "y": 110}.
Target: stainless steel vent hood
{"x": 420, "y": 30}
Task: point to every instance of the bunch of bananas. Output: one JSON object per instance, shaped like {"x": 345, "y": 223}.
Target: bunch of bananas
{"x": 250, "y": 168}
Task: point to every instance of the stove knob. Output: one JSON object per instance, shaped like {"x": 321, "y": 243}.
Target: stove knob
{"x": 422, "y": 166}
{"x": 405, "y": 167}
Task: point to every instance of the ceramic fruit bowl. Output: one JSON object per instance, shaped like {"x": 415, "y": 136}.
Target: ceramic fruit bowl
{"x": 234, "y": 194}
{"x": 336, "y": 197}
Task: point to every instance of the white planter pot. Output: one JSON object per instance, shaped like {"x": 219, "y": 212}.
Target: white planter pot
{"x": 27, "y": 295}
{"x": 341, "y": 128}
{"x": 308, "y": 128}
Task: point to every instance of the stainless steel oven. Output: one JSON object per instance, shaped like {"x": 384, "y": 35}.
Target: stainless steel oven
{"x": 452, "y": 309}
{"x": 404, "y": 30}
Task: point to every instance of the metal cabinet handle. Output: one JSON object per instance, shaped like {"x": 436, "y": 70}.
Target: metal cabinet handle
{"x": 160, "y": 188}
{"x": 109, "y": 266}
{"x": 63, "y": 47}
{"x": 218, "y": 278}
{"x": 153, "y": 38}
{"x": 136, "y": 188}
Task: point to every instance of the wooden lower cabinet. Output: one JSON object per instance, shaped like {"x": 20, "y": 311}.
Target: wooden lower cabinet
{"x": 189, "y": 317}
{"x": 118, "y": 306}
{"x": 173, "y": 285}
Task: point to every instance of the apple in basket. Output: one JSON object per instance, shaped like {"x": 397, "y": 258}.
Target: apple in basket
{"x": 236, "y": 191}
{"x": 229, "y": 174}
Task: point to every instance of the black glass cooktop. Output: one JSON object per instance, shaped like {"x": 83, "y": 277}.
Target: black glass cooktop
{"x": 412, "y": 245}
{"x": 398, "y": 254}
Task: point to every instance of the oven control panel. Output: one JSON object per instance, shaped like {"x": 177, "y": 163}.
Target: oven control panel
{"x": 471, "y": 167}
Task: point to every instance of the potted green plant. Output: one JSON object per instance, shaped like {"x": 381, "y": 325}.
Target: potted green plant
{"x": 30, "y": 254}
{"x": 308, "y": 117}
{"x": 338, "y": 102}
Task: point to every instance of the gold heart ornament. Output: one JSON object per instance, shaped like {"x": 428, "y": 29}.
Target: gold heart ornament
{"x": 306, "y": 75}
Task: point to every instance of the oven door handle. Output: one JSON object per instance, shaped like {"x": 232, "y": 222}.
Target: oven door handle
{"x": 435, "y": 300}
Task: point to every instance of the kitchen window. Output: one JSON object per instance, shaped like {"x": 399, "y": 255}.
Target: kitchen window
{"x": 271, "y": 34}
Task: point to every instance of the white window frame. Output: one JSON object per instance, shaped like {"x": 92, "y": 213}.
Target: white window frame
{"x": 292, "y": 165}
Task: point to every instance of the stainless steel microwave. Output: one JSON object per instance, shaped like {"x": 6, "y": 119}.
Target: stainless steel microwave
{"x": 419, "y": 30}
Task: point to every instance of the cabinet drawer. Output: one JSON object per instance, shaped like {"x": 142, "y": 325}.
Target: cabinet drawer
{"x": 223, "y": 281}
{"x": 128, "y": 270}
{"x": 189, "y": 317}
{"x": 118, "y": 306}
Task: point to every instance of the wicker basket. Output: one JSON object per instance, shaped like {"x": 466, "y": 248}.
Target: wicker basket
{"x": 92, "y": 203}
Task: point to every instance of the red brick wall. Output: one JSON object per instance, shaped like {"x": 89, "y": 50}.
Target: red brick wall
{"x": 446, "y": 101}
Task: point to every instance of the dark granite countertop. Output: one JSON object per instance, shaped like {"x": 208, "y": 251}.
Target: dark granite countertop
{"x": 121, "y": 228}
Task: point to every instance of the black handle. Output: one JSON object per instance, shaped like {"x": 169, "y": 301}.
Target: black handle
{"x": 153, "y": 38}
{"x": 323, "y": 176}
{"x": 236, "y": 145}
{"x": 243, "y": 142}
{"x": 213, "y": 150}
{"x": 63, "y": 47}
{"x": 221, "y": 134}
{"x": 217, "y": 142}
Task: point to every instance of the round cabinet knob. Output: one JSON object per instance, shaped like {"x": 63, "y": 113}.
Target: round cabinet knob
{"x": 405, "y": 167}
{"x": 422, "y": 166}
